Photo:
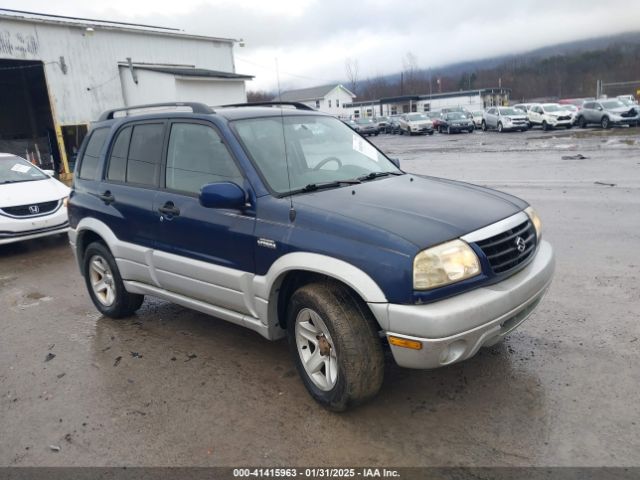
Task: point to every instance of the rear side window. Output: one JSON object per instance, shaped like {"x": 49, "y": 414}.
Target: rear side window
{"x": 145, "y": 151}
{"x": 118, "y": 160}
{"x": 588, "y": 105}
{"x": 196, "y": 156}
{"x": 91, "y": 156}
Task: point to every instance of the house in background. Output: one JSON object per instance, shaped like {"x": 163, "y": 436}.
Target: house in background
{"x": 329, "y": 99}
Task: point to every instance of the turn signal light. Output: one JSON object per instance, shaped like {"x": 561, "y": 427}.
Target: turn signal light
{"x": 405, "y": 343}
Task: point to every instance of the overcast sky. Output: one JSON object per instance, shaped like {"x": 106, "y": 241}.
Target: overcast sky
{"x": 312, "y": 38}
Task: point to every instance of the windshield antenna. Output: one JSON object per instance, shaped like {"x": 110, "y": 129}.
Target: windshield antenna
{"x": 292, "y": 212}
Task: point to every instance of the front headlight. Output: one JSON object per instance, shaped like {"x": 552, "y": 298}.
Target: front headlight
{"x": 65, "y": 201}
{"x": 447, "y": 263}
{"x": 535, "y": 219}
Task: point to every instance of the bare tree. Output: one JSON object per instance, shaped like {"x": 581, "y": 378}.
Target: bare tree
{"x": 259, "y": 96}
{"x": 351, "y": 69}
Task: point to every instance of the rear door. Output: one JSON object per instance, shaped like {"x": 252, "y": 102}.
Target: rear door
{"x": 131, "y": 179}
{"x": 202, "y": 253}
{"x": 491, "y": 118}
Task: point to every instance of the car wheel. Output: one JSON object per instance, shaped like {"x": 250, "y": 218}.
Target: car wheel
{"x": 582, "y": 122}
{"x": 105, "y": 284}
{"x": 484, "y": 126}
{"x": 430, "y": 132}
{"x": 604, "y": 123}
{"x": 545, "y": 125}
{"x": 472, "y": 129}
{"x": 500, "y": 127}
{"x": 335, "y": 344}
{"x": 448, "y": 130}
{"x": 569, "y": 127}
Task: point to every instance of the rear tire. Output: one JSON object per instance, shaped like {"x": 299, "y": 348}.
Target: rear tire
{"x": 329, "y": 317}
{"x": 105, "y": 285}
{"x": 484, "y": 126}
{"x": 582, "y": 122}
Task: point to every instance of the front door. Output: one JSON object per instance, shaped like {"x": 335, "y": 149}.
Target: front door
{"x": 202, "y": 253}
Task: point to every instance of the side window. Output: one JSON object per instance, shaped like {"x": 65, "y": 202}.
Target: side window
{"x": 337, "y": 102}
{"x": 91, "y": 157}
{"x": 317, "y": 103}
{"x": 196, "y": 157}
{"x": 118, "y": 159}
{"x": 145, "y": 152}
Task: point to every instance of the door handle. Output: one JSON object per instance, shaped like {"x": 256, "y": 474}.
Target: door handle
{"x": 107, "y": 197}
{"x": 169, "y": 209}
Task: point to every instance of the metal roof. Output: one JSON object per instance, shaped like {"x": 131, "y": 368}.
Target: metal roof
{"x": 312, "y": 93}
{"x": 34, "y": 17}
{"x": 190, "y": 72}
{"x": 415, "y": 98}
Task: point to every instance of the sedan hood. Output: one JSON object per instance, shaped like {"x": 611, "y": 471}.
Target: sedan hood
{"x": 37, "y": 191}
{"x": 424, "y": 211}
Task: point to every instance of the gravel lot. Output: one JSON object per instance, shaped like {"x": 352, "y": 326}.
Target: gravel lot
{"x": 174, "y": 387}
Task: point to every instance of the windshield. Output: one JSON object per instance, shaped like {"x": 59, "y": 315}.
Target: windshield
{"x": 15, "y": 169}
{"x": 455, "y": 115}
{"x": 509, "y": 111}
{"x": 551, "y": 107}
{"x": 319, "y": 150}
{"x": 414, "y": 117}
{"x": 572, "y": 108}
{"x": 612, "y": 104}
{"x": 363, "y": 121}
{"x": 478, "y": 113}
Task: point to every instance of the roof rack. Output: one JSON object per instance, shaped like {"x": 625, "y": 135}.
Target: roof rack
{"x": 297, "y": 105}
{"x": 195, "y": 108}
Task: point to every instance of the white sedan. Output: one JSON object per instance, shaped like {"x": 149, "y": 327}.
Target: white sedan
{"x": 32, "y": 203}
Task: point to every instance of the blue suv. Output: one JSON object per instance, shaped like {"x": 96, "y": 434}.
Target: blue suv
{"x": 285, "y": 221}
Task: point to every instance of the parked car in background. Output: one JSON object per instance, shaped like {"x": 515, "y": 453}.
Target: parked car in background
{"x": 477, "y": 118}
{"x": 32, "y": 203}
{"x": 455, "y": 122}
{"x": 435, "y": 117}
{"x": 504, "y": 118}
{"x": 549, "y": 116}
{"x": 607, "y": 113}
{"x": 394, "y": 124}
{"x": 524, "y": 107}
{"x": 573, "y": 110}
{"x": 382, "y": 123}
{"x": 350, "y": 123}
{"x": 415, "y": 123}
{"x": 577, "y": 102}
{"x": 346, "y": 255}
{"x": 628, "y": 99}
{"x": 366, "y": 126}
{"x": 462, "y": 110}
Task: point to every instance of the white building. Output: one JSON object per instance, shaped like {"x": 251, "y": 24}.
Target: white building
{"x": 59, "y": 73}
{"x": 471, "y": 100}
{"x": 329, "y": 99}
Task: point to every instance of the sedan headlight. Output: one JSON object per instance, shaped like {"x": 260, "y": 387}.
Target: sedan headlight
{"x": 447, "y": 263}
{"x": 535, "y": 219}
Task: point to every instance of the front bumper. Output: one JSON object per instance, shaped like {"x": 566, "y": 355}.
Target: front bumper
{"x": 453, "y": 329}
{"x": 18, "y": 229}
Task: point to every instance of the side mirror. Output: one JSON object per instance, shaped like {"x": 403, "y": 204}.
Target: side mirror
{"x": 395, "y": 161}
{"x": 222, "y": 195}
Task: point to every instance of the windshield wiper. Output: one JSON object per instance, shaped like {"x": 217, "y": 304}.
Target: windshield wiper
{"x": 374, "y": 175}
{"x": 311, "y": 187}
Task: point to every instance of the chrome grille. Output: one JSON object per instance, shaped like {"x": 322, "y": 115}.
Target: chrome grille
{"x": 502, "y": 250}
{"x": 31, "y": 210}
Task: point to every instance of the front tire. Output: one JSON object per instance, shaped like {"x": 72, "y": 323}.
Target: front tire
{"x": 484, "y": 126}
{"x": 105, "y": 284}
{"x": 334, "y": 340}
{"x": 500, "y": 127}
{"x": 545, "y": 125}
{"x": 604, "y": 123}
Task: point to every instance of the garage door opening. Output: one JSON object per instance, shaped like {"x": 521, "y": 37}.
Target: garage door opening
{"x": 26, "y": 120}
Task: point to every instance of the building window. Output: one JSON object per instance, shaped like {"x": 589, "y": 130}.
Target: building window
{"x": 394, "y": 110}
{"x": 317, "y": 103}
{"x": 427, "y": 107}
{"x": 337, "y": 102}
{"x": 329, "y": 103}
{"x": 369, "y": 112}
{"x": 356, "y": 113}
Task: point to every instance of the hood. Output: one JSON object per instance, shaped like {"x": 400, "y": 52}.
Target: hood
{"x": 424, "y": 211}
{"x": 420, "y": 122}
{"x": 621, "y": 110}
{"x": 23, "y": 193}
{"x": 517, "y": 117}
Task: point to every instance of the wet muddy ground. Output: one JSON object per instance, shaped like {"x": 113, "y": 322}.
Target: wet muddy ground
{"x": 170, "y": 386}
